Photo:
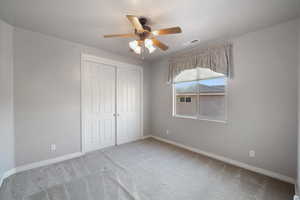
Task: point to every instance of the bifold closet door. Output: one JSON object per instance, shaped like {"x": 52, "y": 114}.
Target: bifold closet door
{"x": 129, "y": 98}
{"x": 98, "y": 105}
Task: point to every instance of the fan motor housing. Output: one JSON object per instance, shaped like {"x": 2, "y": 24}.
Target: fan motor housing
{"x": 143, "y": 20}
{"x": 145, "y": 34}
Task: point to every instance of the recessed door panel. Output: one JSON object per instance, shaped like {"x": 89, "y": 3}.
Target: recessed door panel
{"x": 111, "y": 103}
{"x": 98, "y": 105}
{"x": 128, "y": 105}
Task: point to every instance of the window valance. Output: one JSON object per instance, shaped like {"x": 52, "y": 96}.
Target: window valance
{"x": 217, "y": 59}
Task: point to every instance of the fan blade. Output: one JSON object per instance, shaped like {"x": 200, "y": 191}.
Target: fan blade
{"x": 127, "y": 35}
{"x": 135, "y": 23}
{"x": 167, "y": 31}
{"x": 159, "y": 44}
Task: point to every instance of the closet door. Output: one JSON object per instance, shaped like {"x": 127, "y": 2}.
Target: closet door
{"x": 129, "y": 102}
{"x": 98, "y": 105}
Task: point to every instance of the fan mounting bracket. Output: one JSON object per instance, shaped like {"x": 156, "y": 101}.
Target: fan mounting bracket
{"x": 143, "y": 20}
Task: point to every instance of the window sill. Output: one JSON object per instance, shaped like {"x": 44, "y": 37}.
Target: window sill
{"x": 184, "y": 117}
{"x": 200, "y": 119}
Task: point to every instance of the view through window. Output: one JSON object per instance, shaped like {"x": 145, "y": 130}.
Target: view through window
{"x": 201, "y": 99}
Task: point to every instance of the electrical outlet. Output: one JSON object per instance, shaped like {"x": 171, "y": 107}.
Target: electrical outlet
{"x": 252, "y": 153}
{"x": 53, "y": 147}
{"x": 167, "y": 132}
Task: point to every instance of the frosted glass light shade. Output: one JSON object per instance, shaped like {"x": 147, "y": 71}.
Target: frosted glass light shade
{"x": 138, "y": 50}
{"x": 149, "y": 45}
{"x": 133, "y": 44}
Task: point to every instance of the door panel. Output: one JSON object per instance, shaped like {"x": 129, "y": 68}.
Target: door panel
{"x": 128, "y": 105}
{"x": 98, "y": 105}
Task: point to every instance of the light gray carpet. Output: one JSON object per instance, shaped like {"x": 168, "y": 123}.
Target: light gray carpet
{"x": 145, "y": 170}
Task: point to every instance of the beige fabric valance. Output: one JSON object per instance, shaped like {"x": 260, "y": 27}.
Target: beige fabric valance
{"x": 217, "y": 59}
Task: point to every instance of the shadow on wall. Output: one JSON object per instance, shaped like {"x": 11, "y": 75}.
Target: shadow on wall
{"x": 7, "y": 151}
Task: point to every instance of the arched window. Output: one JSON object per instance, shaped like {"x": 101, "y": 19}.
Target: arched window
{"x": 196, "y": 74}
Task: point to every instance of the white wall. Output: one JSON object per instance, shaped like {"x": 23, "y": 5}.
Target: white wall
{"x": 7, "y": 160}
{"x": 262, "y": 114}
{"x": 47, "y": 95}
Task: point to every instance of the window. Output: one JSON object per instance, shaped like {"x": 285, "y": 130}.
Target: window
{"x": 205, "y": 98}
{"x": 188, "y": 99}
{"x": 182, "y": 90}
{"x": 182, "y": 99}
{"x": 212, "y": 98}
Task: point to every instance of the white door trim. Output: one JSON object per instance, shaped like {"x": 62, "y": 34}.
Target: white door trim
{"x": 117, "y": 64}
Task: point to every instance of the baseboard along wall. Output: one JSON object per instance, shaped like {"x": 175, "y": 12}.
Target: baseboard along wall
{"x": 211, "y": 155}
{"x": 230, "y": 161}
{"x": 38, "y": 164}
{"x": 47, "y": 162}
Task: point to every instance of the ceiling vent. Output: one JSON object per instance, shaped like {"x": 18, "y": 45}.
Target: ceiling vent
{"x": 192, "y": 42}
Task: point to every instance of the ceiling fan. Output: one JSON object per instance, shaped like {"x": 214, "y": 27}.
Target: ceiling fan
{"x": 145, "y": 37}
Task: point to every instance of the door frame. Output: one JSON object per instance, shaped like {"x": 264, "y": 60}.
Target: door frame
{"x": 92, "y": 58}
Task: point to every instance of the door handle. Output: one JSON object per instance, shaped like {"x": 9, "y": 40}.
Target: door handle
{"x": 116, "y": 114}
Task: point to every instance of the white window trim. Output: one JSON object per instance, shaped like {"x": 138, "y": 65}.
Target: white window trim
{"x": 174, "y": 115}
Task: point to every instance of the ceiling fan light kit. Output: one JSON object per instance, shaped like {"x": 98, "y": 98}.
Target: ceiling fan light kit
{"x": 147, "y": 41}
{"x": 149, "y": 45}
{"x": 134, "y": 45}
{"x": 146, "y": 45}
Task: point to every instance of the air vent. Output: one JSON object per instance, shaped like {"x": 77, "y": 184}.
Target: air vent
{"x": 194, "y": 41}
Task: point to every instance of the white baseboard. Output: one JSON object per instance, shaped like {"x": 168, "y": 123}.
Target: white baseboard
{"x": 7, "y": 174}
{"x": 39, "y": 164}
{"x": 146, "y": 137}
{"x": 221, "y": 158}
{"x": 232, "y": 162}
{"x": 134, "y": 139}
{"x": 49, "y": 162}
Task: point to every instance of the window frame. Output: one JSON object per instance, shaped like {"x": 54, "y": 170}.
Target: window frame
{"x": 174, "y": 115}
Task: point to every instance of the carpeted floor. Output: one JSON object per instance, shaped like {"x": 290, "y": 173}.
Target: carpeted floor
{"x": 143, "y": 170}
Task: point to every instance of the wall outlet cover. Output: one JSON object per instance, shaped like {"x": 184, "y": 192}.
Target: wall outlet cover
{"x": 252, "y": 153}
{"x": 167, "y": 132}
{"x": 53, "y": 147}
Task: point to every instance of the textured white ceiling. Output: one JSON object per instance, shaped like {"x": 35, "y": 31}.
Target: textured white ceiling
{"x": 85, "y": 21}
